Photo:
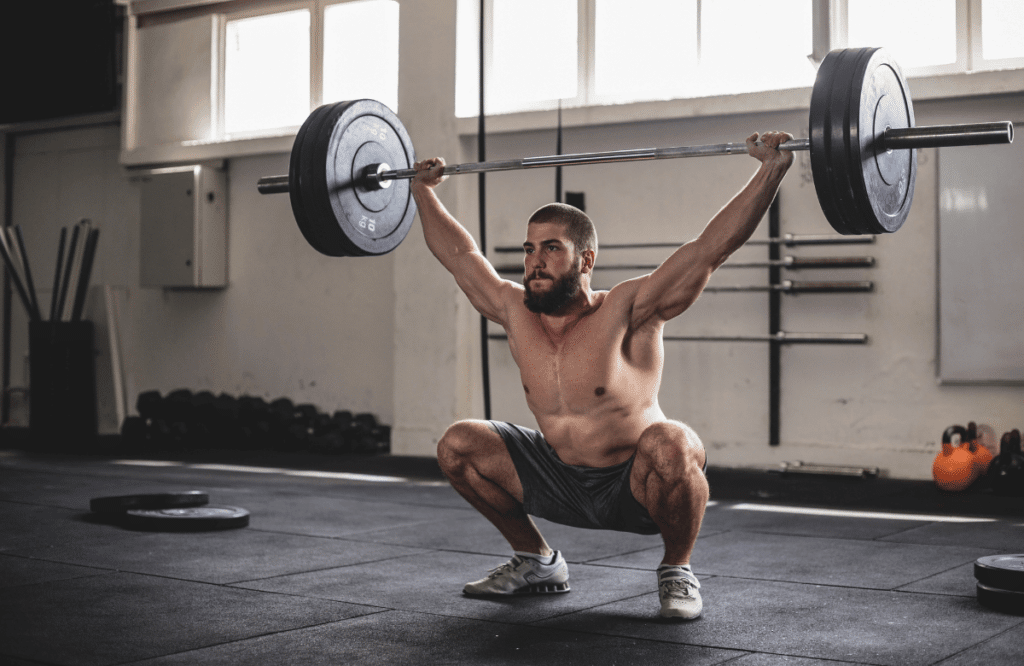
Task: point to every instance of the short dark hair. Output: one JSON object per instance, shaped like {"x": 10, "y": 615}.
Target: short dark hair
{"x": 578, "y": 226}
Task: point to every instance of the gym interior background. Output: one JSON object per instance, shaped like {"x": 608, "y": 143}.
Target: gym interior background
{"x": 362, "y": 559}
{"x": 393, "y": 336}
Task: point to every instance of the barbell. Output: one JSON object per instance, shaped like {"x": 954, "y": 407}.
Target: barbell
{"x": 348, "y": 176}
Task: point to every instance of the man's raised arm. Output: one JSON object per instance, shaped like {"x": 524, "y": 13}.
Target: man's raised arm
{"x": 675, "y": 285}
{"x": 455, "y": 248}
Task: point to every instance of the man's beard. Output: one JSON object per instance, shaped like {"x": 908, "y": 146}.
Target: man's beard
{"x": 562, "y": 292}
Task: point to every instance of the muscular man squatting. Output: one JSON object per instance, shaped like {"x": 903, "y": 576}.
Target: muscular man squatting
{"x": 606, "y": 456}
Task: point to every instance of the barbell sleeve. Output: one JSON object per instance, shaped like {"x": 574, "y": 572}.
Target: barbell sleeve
{"x": 273, "y": 184}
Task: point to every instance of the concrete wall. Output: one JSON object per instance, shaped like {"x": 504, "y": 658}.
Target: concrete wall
{"x": 393, "y": 335}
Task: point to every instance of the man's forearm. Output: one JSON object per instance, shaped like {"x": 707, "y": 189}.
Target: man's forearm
{"x": 733, "y": 226}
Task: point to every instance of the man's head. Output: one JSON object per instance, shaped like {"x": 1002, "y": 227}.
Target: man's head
{"x": 561, "y": 246}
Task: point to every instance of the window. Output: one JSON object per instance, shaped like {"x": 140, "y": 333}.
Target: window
{"x": 1002, "y": 29}
{"x": 266, "y": 72}
{"x": 639, "y": 50}
{"x": 361, "y": 51}
{"x": 538, "y": 51}
{"x": 667, "y": 60}
{"x": 268, "y": 78}
{"x": 917, "y": 35}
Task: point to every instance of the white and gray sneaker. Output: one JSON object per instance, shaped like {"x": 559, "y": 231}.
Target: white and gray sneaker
{"x": 677, "y": 589}
{"x": 523, "y": 575}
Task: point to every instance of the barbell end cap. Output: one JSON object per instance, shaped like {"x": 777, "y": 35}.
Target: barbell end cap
{"x": 372, "y": 179}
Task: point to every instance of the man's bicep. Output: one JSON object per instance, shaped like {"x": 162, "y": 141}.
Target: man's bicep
{"x": 485, "y": 289}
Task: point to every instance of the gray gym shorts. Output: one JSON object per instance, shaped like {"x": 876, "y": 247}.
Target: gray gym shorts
{"x": 589, "y": 497}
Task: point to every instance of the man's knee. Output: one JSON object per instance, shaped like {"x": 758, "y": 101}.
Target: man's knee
{"x": 460, "y": 444}
{"x": 669, "y": 446}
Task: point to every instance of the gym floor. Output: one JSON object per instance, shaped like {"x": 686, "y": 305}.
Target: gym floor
{"x": 338, "y": 568}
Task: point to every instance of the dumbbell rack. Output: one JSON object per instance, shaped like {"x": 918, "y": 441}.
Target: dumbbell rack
{"x": 776, "y": 337}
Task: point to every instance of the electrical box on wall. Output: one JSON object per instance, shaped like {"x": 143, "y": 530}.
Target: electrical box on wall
{"x": 183, "y": 239}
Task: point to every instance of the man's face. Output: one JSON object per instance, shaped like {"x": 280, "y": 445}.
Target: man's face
{"x": 553, "y": 271}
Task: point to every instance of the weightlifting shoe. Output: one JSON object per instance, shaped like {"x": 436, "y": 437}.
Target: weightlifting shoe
{"x": 523, "y": 575}
{"x": 677, "y": 589}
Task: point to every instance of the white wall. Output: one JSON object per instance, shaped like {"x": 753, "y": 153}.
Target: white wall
{"x": 392, "y": 334}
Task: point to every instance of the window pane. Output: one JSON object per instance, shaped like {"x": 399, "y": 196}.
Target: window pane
{"x": 1002, "y": 29}
{"x": 915, "y": 33}
{"x": 467, "y": 58}
{"x": 534, "y": 53}
{"x": 646, "y": 49}
{"x": 266, "y": 72}
{"x": 361, "y": 52}
{"x": 739, "y": 54}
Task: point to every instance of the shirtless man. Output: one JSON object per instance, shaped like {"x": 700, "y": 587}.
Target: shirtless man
{"x": 606, "y": 456}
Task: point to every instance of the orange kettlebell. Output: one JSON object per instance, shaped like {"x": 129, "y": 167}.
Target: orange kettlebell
{"x": 953, "y": 468}
{"x": 982, "y": 454}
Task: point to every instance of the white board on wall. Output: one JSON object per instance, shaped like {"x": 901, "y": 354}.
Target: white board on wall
{"x": 981, "y": 264}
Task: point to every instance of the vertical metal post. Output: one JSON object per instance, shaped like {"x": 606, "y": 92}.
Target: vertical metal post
{"x": 774, "y": 326}
{"x": 485, "y": 359}
{"x": 558, "y": 151}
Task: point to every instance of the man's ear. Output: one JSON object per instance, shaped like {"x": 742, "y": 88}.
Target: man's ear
{"x": 589, "y": 256}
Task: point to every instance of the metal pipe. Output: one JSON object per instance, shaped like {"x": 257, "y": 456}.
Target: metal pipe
{"x": 891, "y": 139}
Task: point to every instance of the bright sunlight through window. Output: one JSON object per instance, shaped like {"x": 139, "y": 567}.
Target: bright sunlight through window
{"x": 915, "y": 36}
{"x": 1002, "y": 29}
{"x": 737, "y": 56}
{"x": 644, "y": 49}
{"x": 361, "y": 52}
{"x": 266, "y": 72}
{"x": 534, "y": 56}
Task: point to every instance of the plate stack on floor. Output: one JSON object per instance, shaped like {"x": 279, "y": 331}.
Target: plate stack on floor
{"x": 187, "y": 511}
{"x": 1001, "y": 582}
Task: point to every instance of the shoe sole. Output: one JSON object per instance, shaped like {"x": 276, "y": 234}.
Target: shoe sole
{"x": 540, "y": 588}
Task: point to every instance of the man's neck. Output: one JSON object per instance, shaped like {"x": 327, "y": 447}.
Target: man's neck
{"x": 558, "y": 324}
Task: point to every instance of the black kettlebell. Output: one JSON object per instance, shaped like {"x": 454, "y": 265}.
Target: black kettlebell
{"x": 1006, "y": 473}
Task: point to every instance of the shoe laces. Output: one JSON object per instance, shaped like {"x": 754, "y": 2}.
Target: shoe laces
{"x": 678, "y": 588}
{"x": 508, "y": 567}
